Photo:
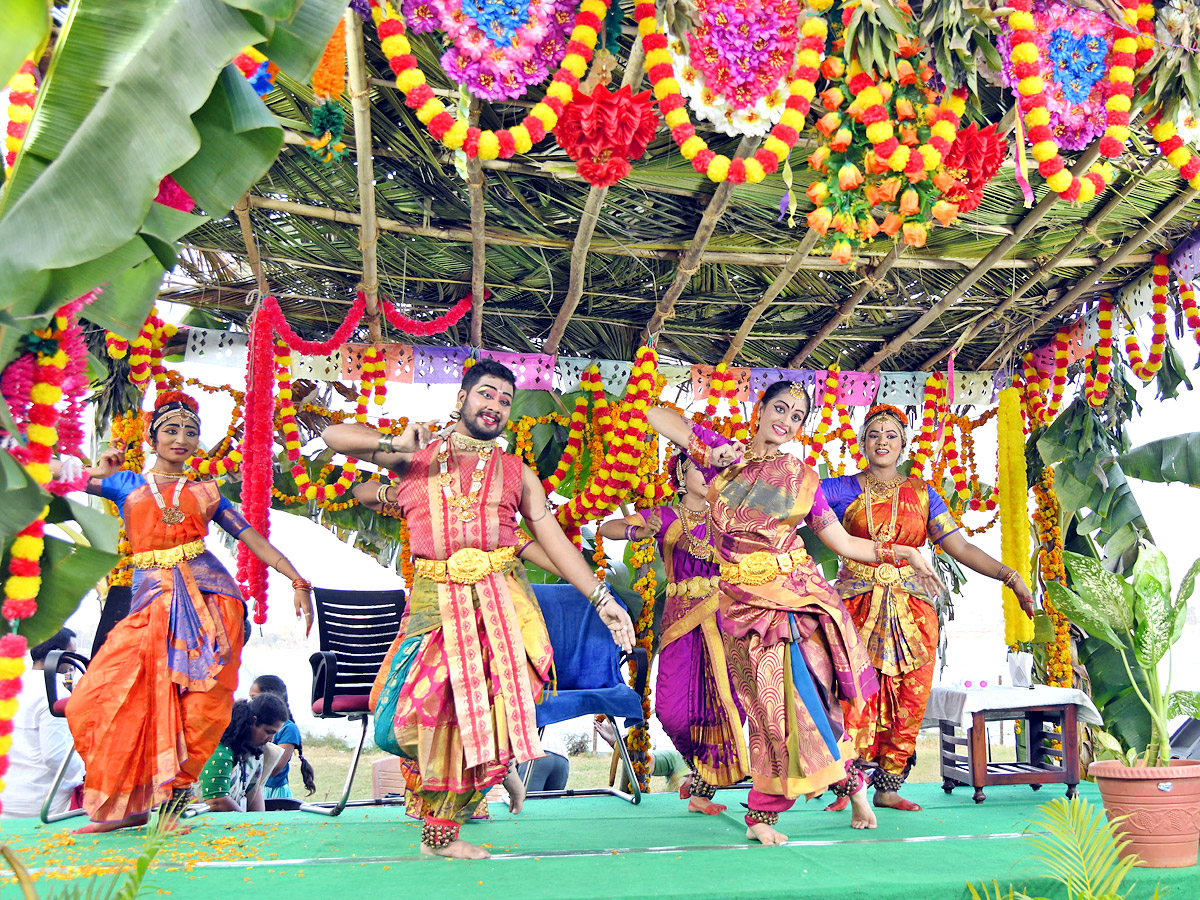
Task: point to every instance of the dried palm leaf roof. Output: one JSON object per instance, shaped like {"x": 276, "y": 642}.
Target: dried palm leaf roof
{"x": 305, "y": 226}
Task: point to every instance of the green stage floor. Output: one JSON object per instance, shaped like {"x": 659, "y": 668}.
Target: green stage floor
{"x": 589, "y": 847}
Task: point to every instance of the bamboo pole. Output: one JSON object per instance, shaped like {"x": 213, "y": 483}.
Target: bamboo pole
{"x": 368, "y": 232}
{"x": 693, "y": 257}
{"x": 870, "y": 283}
{"x": 1071, "y": 298}
{"x": 774, "y": 289}
{"x": 588, "y": 219}
{"x": 1088, "y": 229}
{"x": 478, "y": 237}
{"x": 985, "y": 265}
{"x": 242, "y": 208}
{"x": 764, "y": 258}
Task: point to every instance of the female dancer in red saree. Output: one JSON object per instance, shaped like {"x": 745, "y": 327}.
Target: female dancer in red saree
{"x": 694, "y": 699}
{"x": 156, "y": 698}
{"x": 893, "y": 609}
{"x": 793, "y": 651}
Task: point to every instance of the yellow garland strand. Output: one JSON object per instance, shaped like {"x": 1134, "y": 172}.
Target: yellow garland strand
{"x": 1014, "y": 514}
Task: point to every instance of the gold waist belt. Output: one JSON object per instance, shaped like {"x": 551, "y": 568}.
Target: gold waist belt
{"x": 884, "y": 573}
{"x": 466, "y": 566}
{"x": 761, "y": 567}
{"x": 169, "y": 558}
{"x": 692, "y": 587}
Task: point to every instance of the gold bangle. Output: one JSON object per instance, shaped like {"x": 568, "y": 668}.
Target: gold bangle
{"x": 381, "y": 494}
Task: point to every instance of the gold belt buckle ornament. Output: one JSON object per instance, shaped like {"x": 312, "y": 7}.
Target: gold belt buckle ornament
{"x": 759, "y": 567}
{"x": 886, "y": 573}
{"x": 469, "y": 565}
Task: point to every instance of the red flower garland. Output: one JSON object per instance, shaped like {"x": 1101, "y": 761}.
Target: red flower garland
{"x": 314, "y": 348}
{"x": 602, "y": 132}
{"x": 419, "y": 328}
{"x": 973, "y": 160}
{"x": 257, "y": 457}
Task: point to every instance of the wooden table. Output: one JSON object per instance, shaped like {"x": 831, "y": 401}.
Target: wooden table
{"x": 1051, "y": 756}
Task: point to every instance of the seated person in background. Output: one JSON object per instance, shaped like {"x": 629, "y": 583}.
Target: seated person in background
{"x": 40, "y": 742}
{"x": 287, "y": 739}
{"x": 668, "y": 764}
{"x": 550, "y": 771}
{"x": 232, "y": 779}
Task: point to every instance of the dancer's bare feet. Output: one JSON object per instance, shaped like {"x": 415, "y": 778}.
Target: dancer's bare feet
{"x": 137, "y": 820}
{"x": 460, "y": 849}
{"x": 765, "y": 834}
{"x": 861, "y": 814}
{"x": 838, "y": 804}
{"x": 706, "y": 806}
{"x": 893, "y": 800}
{"x": 516, "y": 793}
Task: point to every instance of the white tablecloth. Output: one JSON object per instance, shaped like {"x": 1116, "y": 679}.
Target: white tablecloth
{"x": 958, "y": 704}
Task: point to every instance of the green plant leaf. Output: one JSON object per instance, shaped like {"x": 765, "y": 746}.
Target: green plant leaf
{"x": 26, "y": 23}
{"x": 1175, "y": 458}
{"x": 1154, "y": 620}
{"x": 1081, "y": 613}
{"x": 271, "y": 9}
{"x": 1188, "y": 584}
{"x": 1184, "y": 703}
{"x": 23, "y": 497}
{"x": 99, "y": 529}
{"x": 1080, "y": 848}
{"x": 1108, "y": 597}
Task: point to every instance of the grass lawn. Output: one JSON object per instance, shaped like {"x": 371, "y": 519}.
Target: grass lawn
{"x": 330, "y": 758}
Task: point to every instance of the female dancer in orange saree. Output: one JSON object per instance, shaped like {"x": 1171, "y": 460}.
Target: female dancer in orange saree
{"x": 892, "y": 608}
{"x": 792, "y": 648}
{"x": 694, "y": 699}
{"x": 156, "y": 698}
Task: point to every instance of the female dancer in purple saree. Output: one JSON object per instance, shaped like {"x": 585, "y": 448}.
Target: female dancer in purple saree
{"x": 695, "y": 701}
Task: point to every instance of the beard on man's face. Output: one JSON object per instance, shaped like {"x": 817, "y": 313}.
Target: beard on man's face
{"x": 481, "y": 430}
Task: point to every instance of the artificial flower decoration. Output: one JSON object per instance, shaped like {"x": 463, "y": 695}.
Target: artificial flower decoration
{"x": 257, "y": 69}
{"x": 754, "y": 120}
{"x": 172, "y": 195}
{"x": 603, "y": 131}
{"x": 329, "y": 119}
{"x": 1073, "y": 48}
{"x": 973, "y": 161}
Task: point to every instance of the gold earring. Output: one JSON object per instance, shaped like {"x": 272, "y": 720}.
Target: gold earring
{"x": 454, "y": 416}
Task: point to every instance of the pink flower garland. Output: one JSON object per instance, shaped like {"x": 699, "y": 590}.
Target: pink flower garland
{"x": 416, "y": 327}
{"x": 314, "y": 348}
{"x": 257, "y": 457}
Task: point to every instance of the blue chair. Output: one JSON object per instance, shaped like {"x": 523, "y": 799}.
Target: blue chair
{"x": 587, "y": 666}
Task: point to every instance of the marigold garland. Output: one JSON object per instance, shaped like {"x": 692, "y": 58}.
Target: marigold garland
{"x": 419, "y": 328}
{"x": 637, "y": 740}
{"x": 1147, "y": 368}
{"x": 286, "y": 411}
{"x": 1014, "y": 514}
{"x": 825, "y": 422}
{"x": 1120, "y": 82}
{"x": 931, "y": 409}
{"x": 1059, "y": 671}
{"x": 22, "y": 91}
{"x": 1187, "y": 303}
{"x": 1171, "y": 145}
{"x": 1095, "y": 386}
{"x": 257, "y": 462}
{"x": 455, "y": 133}
{"x": 575, "y": 435}
{"x": 777, "y": 146}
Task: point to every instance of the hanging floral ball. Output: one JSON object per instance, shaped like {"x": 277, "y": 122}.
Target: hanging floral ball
{"x": 603, "y": 131}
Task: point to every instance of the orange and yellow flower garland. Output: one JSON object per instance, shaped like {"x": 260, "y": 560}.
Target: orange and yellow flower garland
{"x": 1059, "y": 671}
{"x": 1147, "y": 368}
{"x": 825, "y": 422}
{"x": 1014, "y": 513}
{"x": 22, "y": 91}
{"x": 638, "y": 739}
{"x": 779, "y": 143}
{"x": 1187, "y": 303}
{"x": 455, "y": 133}
{"x": 575, "y": 434}
{"x": 931, "y": 414}
{"x": 286, "y": 412}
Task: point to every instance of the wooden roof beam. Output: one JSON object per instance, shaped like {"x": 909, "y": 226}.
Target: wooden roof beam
{"x": 1088, "y": 230}
{"x": 985, "y": 265}
{"x": 692, "y": 258}
{"x": 368, "y": 233}
{"x": 1072, "y": 297}
{"x": 242, "y": 210}
{"x": 774, "y": 289}
{"x": 870, "y": 282}
{"x": 764, "y": 258}
{"x": 588, "y": 219}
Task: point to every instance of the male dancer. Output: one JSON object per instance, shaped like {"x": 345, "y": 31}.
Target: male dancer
{"x": 475, "y": 654}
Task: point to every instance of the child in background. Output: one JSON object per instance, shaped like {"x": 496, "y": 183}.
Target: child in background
{"x": 288, "y": 740}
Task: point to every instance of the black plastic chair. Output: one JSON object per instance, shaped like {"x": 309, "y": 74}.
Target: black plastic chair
{"x": 58, "y": 708}
{"x": 587, "y": 665}
{"x": 356, "y": 628}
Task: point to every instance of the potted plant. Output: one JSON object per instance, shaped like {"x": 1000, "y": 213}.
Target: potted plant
{"x": 1158, "y": 796}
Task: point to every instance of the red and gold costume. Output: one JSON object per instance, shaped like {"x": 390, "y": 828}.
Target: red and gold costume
{"x": 156, "y": 698}
{"x": 893, "y": 611}
{"x": 457, "y": 691}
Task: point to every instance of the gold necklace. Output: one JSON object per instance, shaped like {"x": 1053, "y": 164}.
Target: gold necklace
{"x": 882, "y": 489}
{"x": 169, "y": 474}
{"x": 465, "y": 442}
{"x": 749, "y": 456}
{"x": 465, "y": 506}
{"x": 171, "y": 515}
{"x": 698, "y": 547}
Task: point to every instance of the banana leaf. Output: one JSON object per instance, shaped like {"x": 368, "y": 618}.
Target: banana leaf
{"x": 23, "y": 498}
{"x": 26, "y": 24}
{"x": 1176, "y": 458}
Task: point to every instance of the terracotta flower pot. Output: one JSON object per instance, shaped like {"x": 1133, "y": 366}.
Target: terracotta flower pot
{"x": 1163, "y": 806}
